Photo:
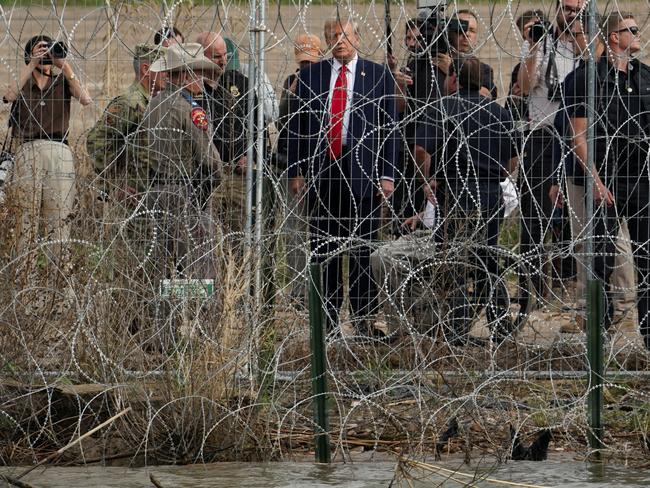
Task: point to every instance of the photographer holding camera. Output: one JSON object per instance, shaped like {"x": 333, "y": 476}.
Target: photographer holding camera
{"x": 429, "y": 61}
{"x": 547, "y": 58}
{"x": 44, "y": 172}
{"x": 464, "y": 43}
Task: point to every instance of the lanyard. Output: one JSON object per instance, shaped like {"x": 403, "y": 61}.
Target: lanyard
{"x": 189, "y": 98}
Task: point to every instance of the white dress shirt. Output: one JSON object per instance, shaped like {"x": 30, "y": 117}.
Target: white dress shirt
{"x": 350, "y": 73}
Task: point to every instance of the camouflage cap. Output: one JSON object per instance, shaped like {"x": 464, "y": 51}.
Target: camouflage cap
{"x": 148, "y": 52}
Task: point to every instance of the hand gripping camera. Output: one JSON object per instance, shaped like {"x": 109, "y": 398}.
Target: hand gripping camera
{"x": 56, "y": 50}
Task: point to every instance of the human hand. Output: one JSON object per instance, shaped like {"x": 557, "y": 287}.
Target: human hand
{"x": 60, "y": 63}
{"x": 392, "y": 62}
{"x": 402, "y": 79}
{"x": 526, "y": 32}
{"x": 412, "y": 222}
{"x": 240, "y": 166}
{"x": 556, "y": 196}
{"x": 485, "y": 92}
{"x": 429, "y": 189}
{"x": 387, "y": 188}
{"x": 442, "y": 62}
{"x": 516, "y": 90}
{"x": 297, "y": 185}
{"x": 39, "y": 52}
{"x": 602, "y": 194}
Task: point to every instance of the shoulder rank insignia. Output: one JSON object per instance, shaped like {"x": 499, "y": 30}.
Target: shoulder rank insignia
{"x": 199, "y": 118}
{"x": 234, "y": 91}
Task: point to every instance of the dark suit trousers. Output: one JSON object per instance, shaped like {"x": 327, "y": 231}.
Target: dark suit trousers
{"x": 343, "y": 223}
{"x": 473, "y": 214}
{"x": 535, "y": 181}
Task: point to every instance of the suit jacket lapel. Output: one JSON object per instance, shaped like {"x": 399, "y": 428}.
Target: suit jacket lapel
{"x": 326, "y": 74}
{"x": 359, "y": 78}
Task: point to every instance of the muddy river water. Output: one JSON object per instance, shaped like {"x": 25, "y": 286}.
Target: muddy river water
{"x": 558, "y": 472}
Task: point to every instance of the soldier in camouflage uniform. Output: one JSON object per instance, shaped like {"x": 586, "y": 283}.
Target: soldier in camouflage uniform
{"x": 113, "y": 143}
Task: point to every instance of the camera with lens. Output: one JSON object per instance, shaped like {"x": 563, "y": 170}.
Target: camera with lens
{"x": 435, "y": 27}
{"x": 539, "y": 30}
{"x": 56, "y": 50}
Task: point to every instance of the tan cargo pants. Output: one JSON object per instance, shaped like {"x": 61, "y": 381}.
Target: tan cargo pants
{"x": 44, "y": 185}
{"x": 623, "y": 277}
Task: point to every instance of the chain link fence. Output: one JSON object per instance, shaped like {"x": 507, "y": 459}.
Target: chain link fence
{"x": 162, "y": 262}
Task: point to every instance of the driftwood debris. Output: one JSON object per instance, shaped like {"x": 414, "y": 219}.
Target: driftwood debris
{"x": 155, "y": 481}
{"x": 16, "y": 482}
{"x": 56, "y": 454}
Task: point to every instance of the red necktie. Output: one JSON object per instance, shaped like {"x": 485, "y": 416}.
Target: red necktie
{"x": 339, "y": 98}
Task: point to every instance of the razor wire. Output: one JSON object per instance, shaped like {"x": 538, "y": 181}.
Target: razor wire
{"x": 109, "y": 316}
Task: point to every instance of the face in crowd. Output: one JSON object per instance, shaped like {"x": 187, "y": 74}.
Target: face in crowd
{"x": 580, "y": 39}
{"x": 567, "y": 11}
{"x": 627, "y": 36}
{"x": 466, "y": 41}
{"x": 342, "y": 40}
{"x": 172, "y": 40}
{"x": 412, "y": 39}
{"x": 217, "y": 52}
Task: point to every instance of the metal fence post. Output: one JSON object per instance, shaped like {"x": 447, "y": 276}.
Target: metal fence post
{"x": 594, "y": 286}
{"x": 318, "y": 367}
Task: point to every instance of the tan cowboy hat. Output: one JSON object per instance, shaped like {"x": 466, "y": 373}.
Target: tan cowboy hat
{"x": 183, "y": 56}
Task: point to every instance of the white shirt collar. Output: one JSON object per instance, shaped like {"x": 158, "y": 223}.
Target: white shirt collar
{"x": 351, "y": 66}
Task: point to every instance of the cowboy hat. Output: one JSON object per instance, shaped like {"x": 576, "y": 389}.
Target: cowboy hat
{"x": 183, "y": 56}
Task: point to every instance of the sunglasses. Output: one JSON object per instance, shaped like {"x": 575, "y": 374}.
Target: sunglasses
{"x": 632, "y": 30}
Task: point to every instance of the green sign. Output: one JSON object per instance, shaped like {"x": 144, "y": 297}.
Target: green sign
{"x": 186, "y": 288}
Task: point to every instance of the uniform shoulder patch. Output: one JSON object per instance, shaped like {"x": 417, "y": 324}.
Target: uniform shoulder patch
{"x": 199, "y": 118}
{"x": 234, "y": 91}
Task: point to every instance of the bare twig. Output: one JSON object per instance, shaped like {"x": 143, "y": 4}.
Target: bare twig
{"x": 56, "y": 454}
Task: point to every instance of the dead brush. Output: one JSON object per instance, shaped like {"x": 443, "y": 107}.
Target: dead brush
{"x": 194, "y": 408}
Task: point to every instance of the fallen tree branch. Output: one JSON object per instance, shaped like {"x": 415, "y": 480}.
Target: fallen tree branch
{"x": 155, "y": 481}
{"x": 15, "y": 482}
{"x": 75, "y": 442}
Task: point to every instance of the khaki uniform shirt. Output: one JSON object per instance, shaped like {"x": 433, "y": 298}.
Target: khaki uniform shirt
{"x": 113, "y": 143}
{"x": 179, "y": 142}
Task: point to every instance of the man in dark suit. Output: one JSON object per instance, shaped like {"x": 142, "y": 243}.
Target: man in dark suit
{"x": 342, "y": 143}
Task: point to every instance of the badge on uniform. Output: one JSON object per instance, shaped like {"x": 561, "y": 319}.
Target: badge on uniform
{"x": 234, "y": 91}
{"x": 199, "y": 118}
